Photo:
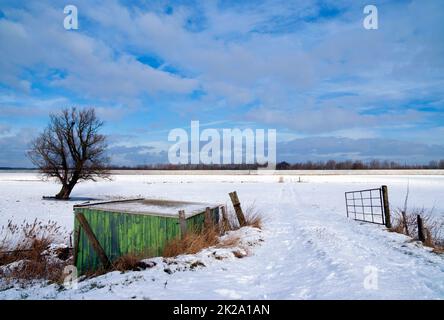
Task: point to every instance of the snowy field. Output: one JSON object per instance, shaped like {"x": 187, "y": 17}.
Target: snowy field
{"x": 310, "y": 249}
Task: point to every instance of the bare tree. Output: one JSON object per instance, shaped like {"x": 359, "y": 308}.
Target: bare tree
{"x": 71, "y": 149}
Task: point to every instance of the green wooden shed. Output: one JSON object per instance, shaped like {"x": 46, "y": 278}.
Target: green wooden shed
{"x": 104, "y": 231}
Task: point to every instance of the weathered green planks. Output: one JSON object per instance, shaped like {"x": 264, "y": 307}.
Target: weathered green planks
{"x": 123, "y": 233}
{"x": 196, "y": 223}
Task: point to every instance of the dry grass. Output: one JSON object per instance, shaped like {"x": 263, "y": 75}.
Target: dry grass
{"x": 21, "y": 236}
{"x": 24, "y": 255}
{"x": 406, "y": 223}
{"x": 130, "y": 262}
{"x": 193, "y": 242}
{"x": 40, "y": 269}
{"x": 253, "y": 218}
{"x": 32, "y": 264}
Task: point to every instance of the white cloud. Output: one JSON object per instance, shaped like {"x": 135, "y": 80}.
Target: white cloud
{"x": 13, "y": 147}
{"x": 93, "y": 68}
{"x": 326, "y": 148}
{"x": 4, "y": 128}
{"x": 330, "y": 119}
{"x": 228, "y": 58}
{"x": 297, "y": 71}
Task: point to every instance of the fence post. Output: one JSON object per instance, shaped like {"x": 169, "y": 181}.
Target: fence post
{"x": 237, "y": 208}
{"x": 183, "y": 224}
{"x": 225, "y": 222}
{"x": 386, "y": 204}
{"x": 421, "y": 236}
{"x": 207, "y": 216}
{"x": 404, "y": 221}
{"x": 76, "y": 244}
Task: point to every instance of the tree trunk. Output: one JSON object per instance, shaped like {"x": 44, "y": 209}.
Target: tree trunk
{"x": 65, "y": 192}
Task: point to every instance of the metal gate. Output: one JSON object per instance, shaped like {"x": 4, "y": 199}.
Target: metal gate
{"x": 366, "y": 205}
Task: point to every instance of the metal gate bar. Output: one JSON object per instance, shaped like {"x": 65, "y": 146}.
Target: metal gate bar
{"x": 365, "y": 205}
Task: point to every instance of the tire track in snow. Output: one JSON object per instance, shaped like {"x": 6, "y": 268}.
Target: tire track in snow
{"x": 294, "y": 269}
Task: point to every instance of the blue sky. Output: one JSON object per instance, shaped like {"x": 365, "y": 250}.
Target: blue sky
{"x": 331, "y": 89}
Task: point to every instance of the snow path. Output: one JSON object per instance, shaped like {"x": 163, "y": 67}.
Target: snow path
{"x": 340, "y": 250}
{"x": 311, "y": 250}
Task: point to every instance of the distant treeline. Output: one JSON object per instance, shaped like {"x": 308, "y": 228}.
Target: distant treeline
{"x": 356, "y": 165}
{"x": 167, "y": 166}
{"x": 308, "y": 165}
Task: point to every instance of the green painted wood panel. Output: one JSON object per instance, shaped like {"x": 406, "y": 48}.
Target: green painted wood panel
{"x": 123, "y": 233}
{"x": 197, "y": 222}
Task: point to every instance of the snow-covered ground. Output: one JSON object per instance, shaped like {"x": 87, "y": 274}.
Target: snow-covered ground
{"x": 310, "y": 249}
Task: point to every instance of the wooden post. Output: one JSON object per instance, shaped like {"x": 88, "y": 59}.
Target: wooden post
{"x": 208, "y": 219}
{"x": 225, "y": 222}
{"x": 404, "y": 221}
{"x": 237, "y": 208}
{"x": 421, "y": 235}
{"x": 183, "y": 224}
{"x": 93, "y": 240}
{"x": 76, "y": 244}
{"x": 386, "y": 205}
